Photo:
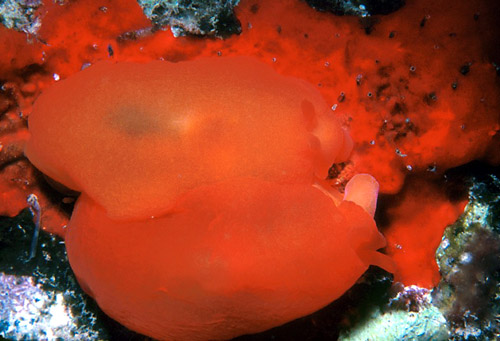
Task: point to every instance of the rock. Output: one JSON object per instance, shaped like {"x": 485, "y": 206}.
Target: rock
{"x": 198, "y": 17}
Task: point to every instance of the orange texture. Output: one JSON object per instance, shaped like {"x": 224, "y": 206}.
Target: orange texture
{"x": 416, "y": 225}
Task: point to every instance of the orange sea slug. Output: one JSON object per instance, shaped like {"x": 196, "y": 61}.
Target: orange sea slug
{"x": 202, "y": 213}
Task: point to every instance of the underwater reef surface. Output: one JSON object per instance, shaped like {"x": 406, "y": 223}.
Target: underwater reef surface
{"x": 199, "y": 17}
{"x": 417, "y": 88}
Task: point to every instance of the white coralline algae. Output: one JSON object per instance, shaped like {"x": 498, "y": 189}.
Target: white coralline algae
{"x": 29, "y": 312}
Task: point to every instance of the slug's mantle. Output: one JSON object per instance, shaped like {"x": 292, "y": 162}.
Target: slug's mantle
{"x": 135, "y": 136}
